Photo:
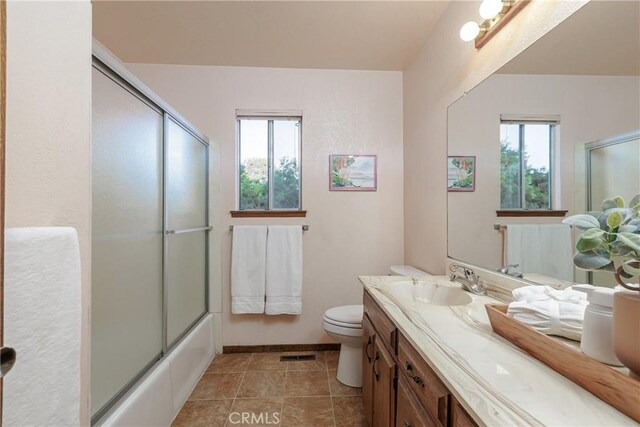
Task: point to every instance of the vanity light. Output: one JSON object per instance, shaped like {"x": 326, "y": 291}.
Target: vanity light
{"x": 496, "y": 14}
{"x": 469, "y": 31}
{"x": 489, "y": 9}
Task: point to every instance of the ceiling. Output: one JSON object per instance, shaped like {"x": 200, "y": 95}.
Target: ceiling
{"x": 359, "y": 35}
{"x": 601, "y": 38}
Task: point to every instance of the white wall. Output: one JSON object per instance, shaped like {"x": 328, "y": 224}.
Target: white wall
{"x": 344, "y": 112}
{"x": 444, "y": 68}
{"x": 590, "y": 108}
{"x": 49, "y": 130}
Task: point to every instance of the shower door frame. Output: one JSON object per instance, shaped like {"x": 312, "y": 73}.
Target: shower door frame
{"x": 105, "y": 62}
{"x": 589, "y": 148}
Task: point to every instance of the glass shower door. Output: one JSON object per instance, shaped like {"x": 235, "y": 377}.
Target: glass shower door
{"x": 126, "y": 325}
{"x": 187, "y": 229}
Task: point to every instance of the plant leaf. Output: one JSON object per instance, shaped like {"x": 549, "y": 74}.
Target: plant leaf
{"x": 592, "y": 261}
{"x": 619, "y": 201}
{"x": 632, "y": 240}
{"x": 582, "y": 221}
{"x": 586, "y": 245}
{"x": 635, "y": 203}
{"x": 592, "y": 233}
{"x": 629, "y": 269}
{"x": 608, "y": 204}
{"x": 614, "y": 220}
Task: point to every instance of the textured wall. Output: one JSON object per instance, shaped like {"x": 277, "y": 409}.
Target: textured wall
{"x": 344, "y": 112}
{"x": 442, "y": 71}
{"x": 49, "y": 129}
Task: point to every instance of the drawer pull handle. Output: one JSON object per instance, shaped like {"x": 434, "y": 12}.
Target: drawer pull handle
{"x": 375, "y": 359}
{"x": 415, "y": 378}
{"x": 405, "y": 423}
{"x": 366, "y": 349}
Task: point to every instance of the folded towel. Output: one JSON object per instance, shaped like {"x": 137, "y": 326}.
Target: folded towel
{"x": 42, "y": 319}
{"x": 284, "y": 270}
{"x": 551, "y": 317}
{"x": 248, "y": 264}
{"x": 545, "y": 293}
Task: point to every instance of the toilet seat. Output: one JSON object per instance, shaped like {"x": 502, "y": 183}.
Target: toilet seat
{"x": 349, "y": 316}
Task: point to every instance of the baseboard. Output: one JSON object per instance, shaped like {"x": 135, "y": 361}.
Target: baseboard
{"x": 229, "y": 349}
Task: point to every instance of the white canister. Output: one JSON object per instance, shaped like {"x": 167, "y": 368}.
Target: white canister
{"x": 597, "y": 330}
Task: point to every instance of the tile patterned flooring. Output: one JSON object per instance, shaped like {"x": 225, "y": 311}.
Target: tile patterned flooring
{"x": 277, "y": 394}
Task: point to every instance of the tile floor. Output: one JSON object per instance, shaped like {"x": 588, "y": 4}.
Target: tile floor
{"x": 284, "y": 394}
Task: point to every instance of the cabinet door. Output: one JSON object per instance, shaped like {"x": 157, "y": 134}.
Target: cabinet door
{"x": 384, "y": 398}
{"x": 368, "y": 338}
{"x": 460, "y": 417}
{"x": 410, "y": 412}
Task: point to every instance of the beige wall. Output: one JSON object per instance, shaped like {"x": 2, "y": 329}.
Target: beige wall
{"x": 443, "y": 70}
{"x": 590, "y": 108}
{"x": 344, "y": 112}
{"x": 49, "y": 129}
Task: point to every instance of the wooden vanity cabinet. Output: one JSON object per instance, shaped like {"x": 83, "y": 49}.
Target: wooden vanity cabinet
{"x": 399, "y": 389}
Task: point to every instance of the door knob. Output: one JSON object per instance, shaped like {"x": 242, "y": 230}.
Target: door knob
{"x": 7, "y": 360}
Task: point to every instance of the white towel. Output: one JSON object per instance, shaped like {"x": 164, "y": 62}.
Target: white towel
{"x": 42, "y": 314}
{"x": 248, "y": 262}
{"x": 284, "y": 270}
{"x": 541, "y": 248}
{"x": 544, "y": 293}
{"x": 551, "y": 317}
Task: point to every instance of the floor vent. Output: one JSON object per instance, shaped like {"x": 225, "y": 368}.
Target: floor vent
{"x": 297, "y": 357}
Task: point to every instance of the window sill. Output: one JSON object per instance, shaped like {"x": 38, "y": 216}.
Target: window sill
{"x": 268, "y": 214}
{"x": 530, "y": 212}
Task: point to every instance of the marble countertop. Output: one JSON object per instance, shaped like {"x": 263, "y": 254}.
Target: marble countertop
{"x": 495, "y": 381}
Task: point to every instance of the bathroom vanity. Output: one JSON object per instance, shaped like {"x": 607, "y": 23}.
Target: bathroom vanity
{"x": 430, "y": 358}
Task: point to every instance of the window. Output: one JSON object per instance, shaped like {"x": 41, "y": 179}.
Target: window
{"x": 526, "y": 161}
{"x": 269, "y": 162}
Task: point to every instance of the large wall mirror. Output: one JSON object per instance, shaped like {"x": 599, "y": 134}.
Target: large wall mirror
{"x": 554, "y": 130}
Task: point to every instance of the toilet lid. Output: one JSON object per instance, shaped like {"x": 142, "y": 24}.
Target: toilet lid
{"x": 349, "y": 314}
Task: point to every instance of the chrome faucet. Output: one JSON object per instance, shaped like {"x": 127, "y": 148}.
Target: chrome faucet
{"x": 467, "y": 278}
{"x": 507, "y": 270}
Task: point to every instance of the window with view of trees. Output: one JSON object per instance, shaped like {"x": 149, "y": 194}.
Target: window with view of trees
{"x": 525, "y": 165}
{"x": 269, "y": 170}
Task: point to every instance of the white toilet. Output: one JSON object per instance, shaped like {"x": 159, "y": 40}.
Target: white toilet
{"x": 344, "y": 324}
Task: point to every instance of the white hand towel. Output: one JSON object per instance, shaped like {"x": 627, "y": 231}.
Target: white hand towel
{"x": 545, "y": 293}
{"x": 551, "y": 317}
{"x": 42, "y": 314}
{"x": 541, "y": 248}
{"x": 248, "y": 262}
{"x": 284, "y": 270}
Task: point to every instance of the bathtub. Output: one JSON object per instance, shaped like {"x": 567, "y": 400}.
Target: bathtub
{"x": 157, "y": 398}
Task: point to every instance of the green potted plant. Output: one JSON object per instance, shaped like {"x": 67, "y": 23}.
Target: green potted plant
{"x": 610, "y": 241}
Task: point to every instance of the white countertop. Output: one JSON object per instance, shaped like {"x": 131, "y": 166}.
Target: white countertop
{"x": 495, "y": 381}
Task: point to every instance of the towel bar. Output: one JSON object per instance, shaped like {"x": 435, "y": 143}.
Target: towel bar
{"x": 305, "y": 227}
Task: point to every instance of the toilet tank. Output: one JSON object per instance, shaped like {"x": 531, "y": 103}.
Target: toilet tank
{"x": 406, "y": 270}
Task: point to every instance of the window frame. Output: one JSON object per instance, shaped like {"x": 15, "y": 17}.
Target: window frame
{"x": 553, "y": 186}
{"x": 270, "y": 118}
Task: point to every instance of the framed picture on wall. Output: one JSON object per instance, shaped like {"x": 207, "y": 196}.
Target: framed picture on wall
{"x": 461, "y": 173}
{"x": 353, "y": 172}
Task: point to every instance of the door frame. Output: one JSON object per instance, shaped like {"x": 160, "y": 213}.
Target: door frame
{"x": 3, "y": 92}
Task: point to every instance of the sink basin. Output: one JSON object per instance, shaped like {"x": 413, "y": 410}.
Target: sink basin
{"x": 427, "y": 292}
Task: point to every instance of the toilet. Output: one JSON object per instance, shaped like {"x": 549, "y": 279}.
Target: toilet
{"x": 344, "y": 324}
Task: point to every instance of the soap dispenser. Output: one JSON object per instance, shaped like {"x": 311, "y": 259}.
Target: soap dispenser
{"x": 597, "y": 329}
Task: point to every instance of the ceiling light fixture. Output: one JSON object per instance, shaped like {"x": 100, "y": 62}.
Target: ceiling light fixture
{"x": 496, "y": 14}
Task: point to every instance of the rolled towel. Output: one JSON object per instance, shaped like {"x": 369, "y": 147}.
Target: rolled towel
{"x": 550, "y": 316}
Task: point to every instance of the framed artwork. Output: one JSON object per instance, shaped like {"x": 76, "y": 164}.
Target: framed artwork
{"x": 353, "y": 172}
{"x": 461, "y": 173}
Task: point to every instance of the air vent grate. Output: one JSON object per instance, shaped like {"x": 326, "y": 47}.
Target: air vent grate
{"x": 297, "y": 357}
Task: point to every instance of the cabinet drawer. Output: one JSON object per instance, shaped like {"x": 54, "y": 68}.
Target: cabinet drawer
{"x": 421, "y": 379}
{"x": 386, "y": 330}
{"x": 409, "y": 412}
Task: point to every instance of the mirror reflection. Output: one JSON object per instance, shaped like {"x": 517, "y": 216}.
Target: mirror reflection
{"x": 551, "y": 134}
